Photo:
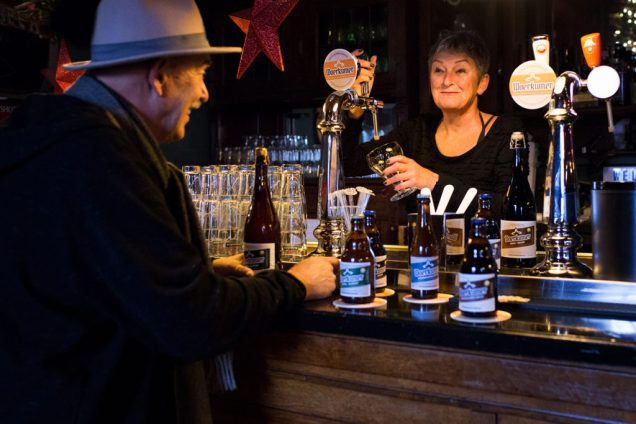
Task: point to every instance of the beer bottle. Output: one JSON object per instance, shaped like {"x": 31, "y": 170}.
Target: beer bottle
{"x": 378, "y": 250}
{"x": 357, "y": 265}
{"x": 424, "y": 254}
{"x": 477, "y": 278}
{"x": 518, "y": 217}
{"x": 491, "y": 227}
{"x": 261, "y": 236}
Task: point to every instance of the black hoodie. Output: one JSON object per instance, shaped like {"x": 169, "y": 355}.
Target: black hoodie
{"x": 105, "y": 280}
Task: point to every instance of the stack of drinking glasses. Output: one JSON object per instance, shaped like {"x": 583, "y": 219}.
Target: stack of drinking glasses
{"x": 283, "y": 149}
{"x": 222, "y": 195}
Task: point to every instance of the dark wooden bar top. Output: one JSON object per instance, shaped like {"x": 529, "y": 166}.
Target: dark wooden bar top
{"x": 560, "y": 358}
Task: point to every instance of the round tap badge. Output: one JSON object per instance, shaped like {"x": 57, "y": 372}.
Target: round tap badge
{"x": 340, "y": 69}
{"x": 531, "y": 84}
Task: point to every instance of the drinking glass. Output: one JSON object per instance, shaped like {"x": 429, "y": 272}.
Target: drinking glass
{"x": 378, "y": 162}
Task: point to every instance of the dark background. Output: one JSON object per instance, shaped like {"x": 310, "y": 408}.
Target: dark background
{"x": 268, "y": 102}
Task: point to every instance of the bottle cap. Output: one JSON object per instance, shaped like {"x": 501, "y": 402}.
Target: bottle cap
{"x": 485, "y": 196}
{"x": 369, "y": 213}
{"x": 477, "y": 221}
{"x": 262, "y": 152}
{"x": 423, "y": 196}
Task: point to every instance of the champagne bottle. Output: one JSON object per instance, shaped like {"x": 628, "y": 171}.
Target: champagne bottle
{"x": 518, "y": 217}
{"x": 477, "y": 276}
{"x": 261, "y": 237}
{"x": 424, "y": 254}
{"x": 357, "y": 265}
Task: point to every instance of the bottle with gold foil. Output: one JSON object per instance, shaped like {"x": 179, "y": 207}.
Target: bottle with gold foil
{"x": 424, "y": 254}
{"x": 357, "y": 265}
{"x": 261, "y": 236}
{"x": 518, "y": 216}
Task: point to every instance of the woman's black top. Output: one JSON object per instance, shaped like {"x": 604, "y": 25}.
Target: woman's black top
{"x": 487, "y": 166}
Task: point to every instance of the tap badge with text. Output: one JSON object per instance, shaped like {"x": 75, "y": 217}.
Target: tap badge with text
{"x": 531, "y": 84}
{"x": 340, "y": 69}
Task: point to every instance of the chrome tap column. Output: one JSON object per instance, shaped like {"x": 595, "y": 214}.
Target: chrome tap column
{"x": 330, "y": 233}
{"x": 561, "y": 186}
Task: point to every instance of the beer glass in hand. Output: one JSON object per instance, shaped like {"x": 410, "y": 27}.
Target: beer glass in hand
{"x": 378, "y": 161}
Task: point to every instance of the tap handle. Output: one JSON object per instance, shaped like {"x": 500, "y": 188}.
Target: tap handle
{"x": 365, "y": 88}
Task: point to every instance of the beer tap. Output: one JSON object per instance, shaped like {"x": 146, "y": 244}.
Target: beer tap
{"x": 561, "y": 200}
{"x": 561, "y": 241}
{"x": 330, "y": 233}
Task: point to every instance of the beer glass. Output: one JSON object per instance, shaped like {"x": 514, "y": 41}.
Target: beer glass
{"x": 378, "y": 162}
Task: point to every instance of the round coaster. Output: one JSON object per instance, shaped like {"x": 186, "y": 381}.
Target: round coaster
{"x": 387, "y": 292}
{"x": 441, "y": 298}
{"x": 512, "y": 299}
{"x": 501, "y": 316}
{"x": 377, "y": 303}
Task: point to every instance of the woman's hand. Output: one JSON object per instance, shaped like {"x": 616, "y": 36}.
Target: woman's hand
{"x": 367, "y": 73}
{"x": 405, "y": 173}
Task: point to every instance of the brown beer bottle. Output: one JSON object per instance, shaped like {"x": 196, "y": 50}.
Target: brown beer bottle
{"x": 477, "y": 278}
{"x": 491, "y": 227}
{"x": 261, "y": 237}
{"x": 378, "y": 250}
{"x": 518, "y": 216}
{"x": 357, "y": 265}
{"x": 424, "y": 254}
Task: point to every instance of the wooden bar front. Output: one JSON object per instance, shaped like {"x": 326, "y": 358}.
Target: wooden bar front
{"x": 310, "y": 377}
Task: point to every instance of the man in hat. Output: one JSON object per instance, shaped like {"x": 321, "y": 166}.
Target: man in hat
{"x": 107, "y": 286}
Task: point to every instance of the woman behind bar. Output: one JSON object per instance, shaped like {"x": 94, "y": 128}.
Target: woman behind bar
{"x": 466, "y": 147}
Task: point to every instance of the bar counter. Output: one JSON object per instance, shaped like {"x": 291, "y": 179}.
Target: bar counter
{"x": 568, "y": 354}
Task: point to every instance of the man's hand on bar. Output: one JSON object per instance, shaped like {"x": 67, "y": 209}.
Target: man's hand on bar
{"x": 232, "y": 266}
{"x": 318, "y": 274}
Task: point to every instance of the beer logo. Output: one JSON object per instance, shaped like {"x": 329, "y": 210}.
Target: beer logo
{"x": 340, "y": 69}
{"x": 352, "y": 276}
{"x": 518, "y": 237}
{"x": 454, "y": 236}
{"x": 531, "y": 84}
{"x": 589, "y": 44}
{"x": 471, "y": 291}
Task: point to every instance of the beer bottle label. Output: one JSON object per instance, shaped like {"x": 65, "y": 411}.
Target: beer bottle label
{"x": 259, "y": 256}
{"x": 424, "y": 273}
{"x": 380, "y": 271}
{"x": 455, "y": 236}
{"x": 518, "y": 239}
{"x": 495, "y": 248}
{"x": 476, "y": 292}
{"x": 355, "y": 279}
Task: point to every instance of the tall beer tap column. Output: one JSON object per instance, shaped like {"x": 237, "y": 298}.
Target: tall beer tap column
{"x": 330, "y": 232}
{"x": 561, "y": 240}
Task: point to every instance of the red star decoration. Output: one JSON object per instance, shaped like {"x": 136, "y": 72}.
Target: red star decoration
{"x": 260, "y": 25}
{"x": 62, "y": 79}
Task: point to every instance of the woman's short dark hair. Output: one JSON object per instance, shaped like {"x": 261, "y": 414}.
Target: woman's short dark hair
{"x": 464, "y": 41}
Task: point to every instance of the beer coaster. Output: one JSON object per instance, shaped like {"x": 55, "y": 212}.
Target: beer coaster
{"x": 501, "y": 316}
{"x": 512, "y": 299}
{"x": 377, "y": 303}
{"x": 441, "y": 298}
{"x": 387, "y": 292}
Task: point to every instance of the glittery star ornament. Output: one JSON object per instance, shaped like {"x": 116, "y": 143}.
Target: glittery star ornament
{"x": 62, "y": 79}
{"x": 260, "y": 25}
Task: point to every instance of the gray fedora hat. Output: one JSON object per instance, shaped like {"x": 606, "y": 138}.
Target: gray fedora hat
{"x": 128, "y": 31}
